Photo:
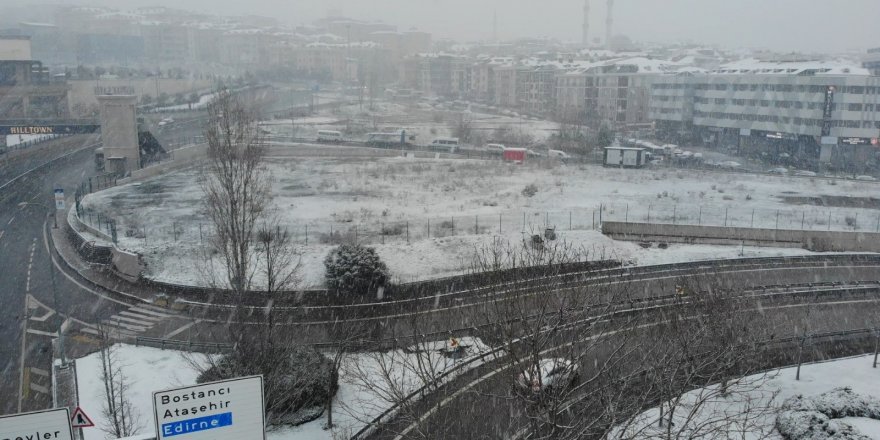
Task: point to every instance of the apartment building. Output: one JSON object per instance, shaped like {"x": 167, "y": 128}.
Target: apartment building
{"x": 623, "y": 90}
{"x": 872, "y": 61}
{"x": 536, "y": 88}
{"x": 810, "y": 110}
{"x": 27, "y": 90}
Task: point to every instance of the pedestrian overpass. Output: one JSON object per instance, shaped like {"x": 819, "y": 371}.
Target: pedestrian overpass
{"x": 126, "y": 144}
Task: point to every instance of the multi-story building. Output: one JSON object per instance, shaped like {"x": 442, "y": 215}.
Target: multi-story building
{"x": 343, "y": 62}
{"x": 536, "y": 88}
{"x": 505, "y": 89}
{"x": 245, "y": 47}
{"x": 27, "y": 90}
{"x": 623, "y": 90}
{"x": 165, "y": 44}
{"x": 574, "y": 88}
{"x": 872, "y": 61}
{"x": 806, "y": 110}
{"x": 440, "y": 74}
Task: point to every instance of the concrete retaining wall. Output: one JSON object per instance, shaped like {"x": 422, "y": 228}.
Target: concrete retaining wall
{"x": 836, "y": 241}
{"x": 128, "y": 265}
{"x": 180, "y": 158}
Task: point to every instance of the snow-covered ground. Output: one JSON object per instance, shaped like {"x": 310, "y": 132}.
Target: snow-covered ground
{"x": 436, "y": 212}
{"x": 765, "y": 393}
{"x": 355, "y": 402}
{"x": 203, "y": 102}
{"x": 424, "y": 124}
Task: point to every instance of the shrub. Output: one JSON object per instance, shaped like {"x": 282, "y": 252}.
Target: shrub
{"x": 294, "y": 378}
{"x": 530, "y": 190}
{"x": 355, "y": 269}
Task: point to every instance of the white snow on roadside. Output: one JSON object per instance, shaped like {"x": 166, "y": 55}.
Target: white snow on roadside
{"x": 855, "y": 372}
{"x": 354, "y": 403}
{"x": 146, "y": 369}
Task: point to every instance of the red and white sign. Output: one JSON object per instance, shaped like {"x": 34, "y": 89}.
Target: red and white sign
{"x": 79, "y": 419}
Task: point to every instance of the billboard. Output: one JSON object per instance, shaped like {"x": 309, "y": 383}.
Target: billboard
{"x": 225, "y": 410}
{"x": 51, "y": 424}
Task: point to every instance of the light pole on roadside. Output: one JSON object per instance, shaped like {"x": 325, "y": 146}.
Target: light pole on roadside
{"x": 48, "y": 210}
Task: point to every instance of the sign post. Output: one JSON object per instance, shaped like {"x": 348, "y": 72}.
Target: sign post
{"x": 224, "y": 410}
{"x": 52, "y": 424}
{"x": 59, "y": 203}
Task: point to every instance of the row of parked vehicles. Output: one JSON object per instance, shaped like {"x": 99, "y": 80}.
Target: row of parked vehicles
{"x": 441, "y": 144}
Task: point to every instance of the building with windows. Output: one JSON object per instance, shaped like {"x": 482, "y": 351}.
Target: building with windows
{"x": 872, "y": 61}
{"x": 800, "y": 111}
{"x": 623, "y": 90}
{"x": 27, "y": 89}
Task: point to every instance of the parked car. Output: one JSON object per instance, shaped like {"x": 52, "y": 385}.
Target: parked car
{"x": 867, "y": 178}
{"x": 534, "y": 153}
{"x": 557, "y": 154}
{"x": 804, "y": 173}
{"x": 496, "y": 148}
{"x": 549, "y": 373}
{"x": 779, "y": 170}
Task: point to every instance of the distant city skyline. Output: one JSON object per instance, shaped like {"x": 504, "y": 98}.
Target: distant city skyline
{"x": 779, "y": 25}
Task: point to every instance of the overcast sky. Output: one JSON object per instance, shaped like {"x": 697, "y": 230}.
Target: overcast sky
{"x": 785, "y": 25}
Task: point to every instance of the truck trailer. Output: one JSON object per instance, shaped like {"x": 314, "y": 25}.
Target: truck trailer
{"x": 625, "y": 157}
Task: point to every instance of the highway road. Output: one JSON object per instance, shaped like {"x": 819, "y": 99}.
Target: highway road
{"x": 30, "y": 320}
{"x": 480, "y": 404}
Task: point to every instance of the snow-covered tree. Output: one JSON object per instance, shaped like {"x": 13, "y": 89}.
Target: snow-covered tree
{"x": 355, "y": 269}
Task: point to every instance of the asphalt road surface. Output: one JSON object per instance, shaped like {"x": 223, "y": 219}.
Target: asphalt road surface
{"x": 26, "y": 294}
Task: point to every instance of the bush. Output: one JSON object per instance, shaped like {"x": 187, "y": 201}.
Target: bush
{"x": 530, "y": 190}
{"x": 294, "y": 379}
{"x": 355, "y": 269}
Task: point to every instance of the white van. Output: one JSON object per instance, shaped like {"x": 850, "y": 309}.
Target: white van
{"x": 329, "y": 136}
{"x": 444, "y": 144}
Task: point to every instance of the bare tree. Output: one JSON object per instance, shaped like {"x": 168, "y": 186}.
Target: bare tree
{"x": 552, "y": 331}
{"x": 121, "y": 420}
{"x": 703, "y": 374}
{"x": 463, "y": 128}
{"x": 259, "y": 265}
{"x": 236, "y": 187}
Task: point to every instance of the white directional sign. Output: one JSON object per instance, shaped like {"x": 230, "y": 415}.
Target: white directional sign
{"x": 52, "y": 424}
{"x": 226, "y": 410}
{"x": 59, "y": 199}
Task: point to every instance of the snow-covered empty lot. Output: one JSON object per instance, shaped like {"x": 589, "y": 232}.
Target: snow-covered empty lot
{"x": 427, "y": 216}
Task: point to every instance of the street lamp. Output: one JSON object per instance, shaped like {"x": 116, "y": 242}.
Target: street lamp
{"x": 50, "y": 210}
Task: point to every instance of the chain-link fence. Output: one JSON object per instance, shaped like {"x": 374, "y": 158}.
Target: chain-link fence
{"x": 801, "y": 218}
{"x": 372, "y": 232}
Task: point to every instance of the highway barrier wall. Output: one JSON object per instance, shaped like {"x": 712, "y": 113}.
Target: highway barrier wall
{"x": 820, "y": 241}
{"x": 180, "y": 157}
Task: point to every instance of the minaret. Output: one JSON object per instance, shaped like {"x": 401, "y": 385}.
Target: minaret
{"x": 585, "y": 37}
{"x": 609, "y": 22}
{"x": 495, "y": 26}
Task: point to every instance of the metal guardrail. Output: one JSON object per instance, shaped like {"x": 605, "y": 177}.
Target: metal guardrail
{"x": 575, "y": 276}
{"x": 370, "y": 427}
{"x": 210, "y": 347}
